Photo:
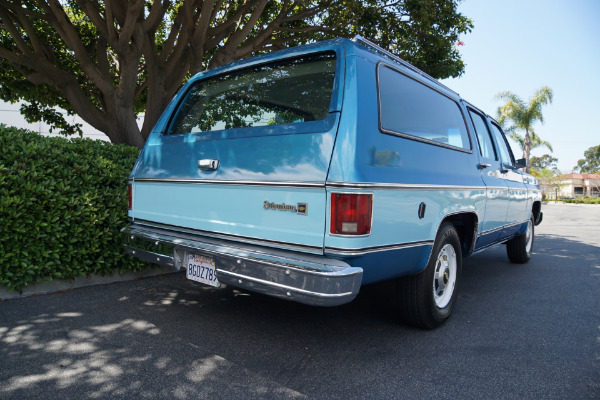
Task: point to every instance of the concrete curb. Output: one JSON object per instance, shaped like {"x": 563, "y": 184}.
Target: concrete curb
{"x": 58, "y": 285}
{"x": 554, "y": 203}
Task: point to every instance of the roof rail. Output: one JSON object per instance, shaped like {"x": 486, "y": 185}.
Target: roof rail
{"x": 361, "y": 40}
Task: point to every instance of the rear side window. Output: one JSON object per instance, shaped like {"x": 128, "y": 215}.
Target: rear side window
{"x": 290, "y": 91}
{"x": 411, "y": 109}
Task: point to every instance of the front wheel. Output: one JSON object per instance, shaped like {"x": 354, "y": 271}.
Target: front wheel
{"x": 427, "y": 299}
{"x": 519, "y": 248}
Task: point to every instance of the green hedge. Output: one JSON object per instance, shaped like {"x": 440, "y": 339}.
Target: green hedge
{"x": 583, "y": 200}
{"x": 579, "y": 200}
{"x": 62, "y": 204}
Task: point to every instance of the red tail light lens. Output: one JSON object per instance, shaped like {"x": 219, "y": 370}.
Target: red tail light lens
{"x": 351, "y": 213}
{"x": 130, "y": 196}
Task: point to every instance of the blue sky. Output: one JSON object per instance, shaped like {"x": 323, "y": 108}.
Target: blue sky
{"x": 519, "y": 46}
{"x": 522, "y": 45}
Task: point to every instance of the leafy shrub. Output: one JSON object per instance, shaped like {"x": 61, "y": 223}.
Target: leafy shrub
{"x": 584, "y": 200}
{"x": 62, "y": 202}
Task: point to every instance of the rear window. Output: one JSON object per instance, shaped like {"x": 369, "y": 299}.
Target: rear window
{"x": 411, "y": 109}
{"x": 287, "y": 92}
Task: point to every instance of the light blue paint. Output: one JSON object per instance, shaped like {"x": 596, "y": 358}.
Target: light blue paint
{"x": 233, "y": 210}
{"x": 346, "y": 147}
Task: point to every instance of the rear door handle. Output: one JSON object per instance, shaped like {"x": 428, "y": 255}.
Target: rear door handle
{"x": 208, "y": 164}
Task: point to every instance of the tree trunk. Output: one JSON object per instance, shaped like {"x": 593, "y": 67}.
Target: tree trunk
{"x": 122, "y": 127}
{"x": 526, "y": 149}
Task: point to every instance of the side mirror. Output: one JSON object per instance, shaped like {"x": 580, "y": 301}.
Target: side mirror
{"x": 521, "y": 163}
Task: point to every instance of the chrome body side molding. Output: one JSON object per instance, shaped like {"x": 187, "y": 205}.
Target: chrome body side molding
{"x": 400, "y": 186}
{"x": 375, "y": 249}
{"x": 233, "y": 182}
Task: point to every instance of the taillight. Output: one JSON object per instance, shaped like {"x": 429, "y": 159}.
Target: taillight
{"x": 130, "y": 196}
{"x": 351, "y": 213}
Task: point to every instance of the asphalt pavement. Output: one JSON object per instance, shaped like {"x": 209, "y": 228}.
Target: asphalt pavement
{"x": 518, "y": 331}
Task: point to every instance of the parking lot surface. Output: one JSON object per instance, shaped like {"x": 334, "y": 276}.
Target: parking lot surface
{"x": 518, "y": 331}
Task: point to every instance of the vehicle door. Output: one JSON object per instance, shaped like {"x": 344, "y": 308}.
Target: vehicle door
{"x": 496, "y": 204}
{"x": 517, "y": 212}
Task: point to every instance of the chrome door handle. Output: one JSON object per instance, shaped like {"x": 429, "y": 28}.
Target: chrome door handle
{"x": 208, "y": 164}
{"x": 484, "y": 165}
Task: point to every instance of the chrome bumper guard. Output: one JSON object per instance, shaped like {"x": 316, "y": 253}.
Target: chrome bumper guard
{"x": 308, "y": 279}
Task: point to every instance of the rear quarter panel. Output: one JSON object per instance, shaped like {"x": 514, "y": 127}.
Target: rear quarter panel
{"x": 401, "y": 173}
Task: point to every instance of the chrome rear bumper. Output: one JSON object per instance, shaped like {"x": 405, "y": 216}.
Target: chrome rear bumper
{"x": 308, "y": 279}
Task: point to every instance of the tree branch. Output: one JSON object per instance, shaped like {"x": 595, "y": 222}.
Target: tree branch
{"x": 199, "y": 36}
{"x": 13, "y": 31}
{"x": 156, "y": 15}
{"x": 134, "y": 13}
{"x": 178, "y": 41}
{"x": 227, "y": 53}
{"x": 113, "y": 36}
{"x": 48, "y": 74}
{"x": 67, "y": 32}
{"x": 221, "y": 31}
{"x": 91, "y": 9}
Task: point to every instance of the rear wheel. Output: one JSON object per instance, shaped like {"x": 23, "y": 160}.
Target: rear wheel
{"x": 519, "y": 248}
{"x": 427, "y": 299}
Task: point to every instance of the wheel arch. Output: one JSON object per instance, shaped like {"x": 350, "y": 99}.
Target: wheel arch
{"x": 536, "y": 209}
{"x": 466, "y": 225}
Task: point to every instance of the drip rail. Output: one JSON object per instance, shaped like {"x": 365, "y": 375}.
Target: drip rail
{"x": 367, "y": 43}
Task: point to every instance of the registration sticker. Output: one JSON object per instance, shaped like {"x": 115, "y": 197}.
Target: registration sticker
{"x": 201, "y": 269}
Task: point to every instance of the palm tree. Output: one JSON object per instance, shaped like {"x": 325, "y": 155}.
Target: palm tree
{"x": 523, "y": 116}
{"x": 535, "y": 141}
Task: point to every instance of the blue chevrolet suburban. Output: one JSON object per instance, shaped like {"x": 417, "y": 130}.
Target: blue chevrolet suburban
{"x": 307, "y": 173}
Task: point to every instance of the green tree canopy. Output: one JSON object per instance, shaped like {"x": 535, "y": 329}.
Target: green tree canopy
{"x": 544, "y": 166}
{"x": 545, "y": 161}
{"x": 591, "y": 163}
{"x": 110, "y": 60}
{"x": 522, "y": 115}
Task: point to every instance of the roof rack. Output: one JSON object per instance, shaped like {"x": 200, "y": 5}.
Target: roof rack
{"x": 361, "y": 40}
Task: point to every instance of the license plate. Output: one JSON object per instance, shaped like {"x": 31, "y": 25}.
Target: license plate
{"x": 201, "y": 269}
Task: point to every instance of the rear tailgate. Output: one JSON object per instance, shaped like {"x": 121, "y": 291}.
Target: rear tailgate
{"x": 257, "y": 192}
{"x": 245, "y": 153}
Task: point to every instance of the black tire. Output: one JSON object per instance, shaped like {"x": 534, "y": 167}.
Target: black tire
{"x": 424, "y": 300}
{"x": 520, "y": 247}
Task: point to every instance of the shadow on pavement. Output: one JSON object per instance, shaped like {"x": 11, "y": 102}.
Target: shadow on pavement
{"x": 167, "y": 337}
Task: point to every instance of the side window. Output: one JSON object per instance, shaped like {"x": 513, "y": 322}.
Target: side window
{"x": 505, "y": 153}
{"x": 411, "y": 109}
{"x": 486, "y": 146}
